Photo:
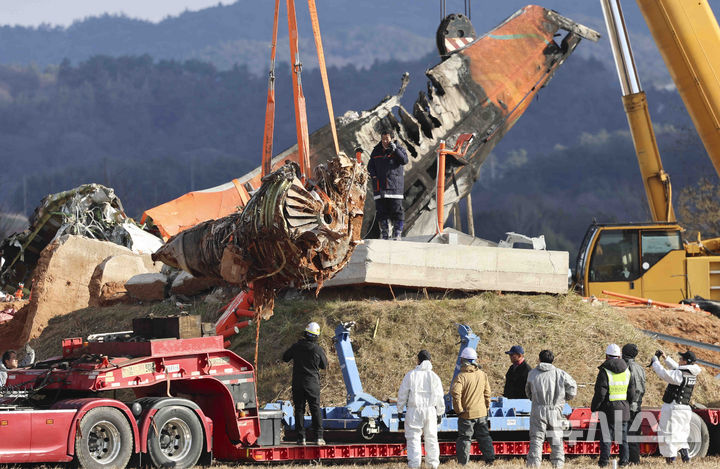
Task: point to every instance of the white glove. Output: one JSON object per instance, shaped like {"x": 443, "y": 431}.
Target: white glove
{"x": 393, "y": 146}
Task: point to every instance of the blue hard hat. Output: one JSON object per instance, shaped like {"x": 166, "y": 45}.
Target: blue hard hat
{"x": 516, "y": 349}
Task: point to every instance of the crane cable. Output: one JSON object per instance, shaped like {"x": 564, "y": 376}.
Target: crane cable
{"x": 257, "y": 341}
{"x": 301, "y": 127}
{"x": 266, "y": 166}
{"x": 443, "y": 9}
{"x": 323, "y": 70}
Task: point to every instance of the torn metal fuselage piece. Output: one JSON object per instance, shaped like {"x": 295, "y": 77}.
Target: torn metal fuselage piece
{"x": 288, "y": 234}
{"x": 90, "y": 210}
{"x": 482, "y": 86}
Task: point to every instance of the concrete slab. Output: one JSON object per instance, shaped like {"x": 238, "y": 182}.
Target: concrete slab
{"x": 456, "y": 267}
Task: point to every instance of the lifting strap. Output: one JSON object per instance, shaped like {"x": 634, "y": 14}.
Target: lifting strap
{"x": 258, "y": 318}
{"x": 323, "y": 70}
{"x": 266, "y": 166}
{"x": 301, "y": 126}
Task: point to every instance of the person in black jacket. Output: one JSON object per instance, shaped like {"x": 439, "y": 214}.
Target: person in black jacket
{"x": 517, "y": 374}
{"x": 612, "y": 388}
{"x": 308, "y": 359}
{"x": 388, "y": 183}
{"x": 637, "y": 376}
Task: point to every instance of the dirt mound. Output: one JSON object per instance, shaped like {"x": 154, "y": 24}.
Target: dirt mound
{"x": 107, "y": 284}
{"x": 60, "y": 285}
{"x": 693, "y": 325}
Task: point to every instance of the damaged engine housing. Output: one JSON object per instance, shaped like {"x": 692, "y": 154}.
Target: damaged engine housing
{"x": 289, "y": 234}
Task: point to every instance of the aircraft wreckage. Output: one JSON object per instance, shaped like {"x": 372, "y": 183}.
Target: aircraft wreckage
{"x": 288, "y": 235}
{"x": 482, "y": 86}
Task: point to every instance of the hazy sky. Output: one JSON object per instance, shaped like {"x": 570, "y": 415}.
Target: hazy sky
{"x": 64, "y": 12}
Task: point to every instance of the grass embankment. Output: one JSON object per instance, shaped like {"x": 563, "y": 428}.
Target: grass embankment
{"x": 576, "y": 331}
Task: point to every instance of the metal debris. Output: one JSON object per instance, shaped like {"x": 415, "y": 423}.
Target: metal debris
{"x": 481, "y": 87}
{"x": 288, "y": 235}
{"x": 90, "y": 210}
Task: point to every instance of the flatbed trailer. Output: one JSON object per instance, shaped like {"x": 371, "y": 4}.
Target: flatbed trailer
{"x": 176, "y": 400}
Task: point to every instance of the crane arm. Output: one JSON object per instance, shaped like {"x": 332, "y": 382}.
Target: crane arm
{"x": 655, "y": 179}
{"x": 688, "y": 36}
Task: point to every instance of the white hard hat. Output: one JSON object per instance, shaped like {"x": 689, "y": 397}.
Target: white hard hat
{"x": 613, "y": 350}
{"x": 314, "y": 328}
{"x": 468, "y": 353}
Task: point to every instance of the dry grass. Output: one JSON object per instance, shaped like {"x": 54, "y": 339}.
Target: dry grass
{"x": 576, "y": 331}
{"x": 95, "y": 320}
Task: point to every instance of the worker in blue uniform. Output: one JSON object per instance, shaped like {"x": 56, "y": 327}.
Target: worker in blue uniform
{"x": 308, "y": 359}
{"x": 388, "y": 183}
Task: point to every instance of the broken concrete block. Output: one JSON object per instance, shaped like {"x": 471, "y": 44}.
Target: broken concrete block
{"x": 147, "y": 287}
{"x": 107, "y": 284}
{"x": 455, "y": 267}
{"x": 188, "y": 285}
{"x": 60, "y": 284}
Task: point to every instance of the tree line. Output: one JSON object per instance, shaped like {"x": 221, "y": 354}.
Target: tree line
{"x": 155, "y": 129}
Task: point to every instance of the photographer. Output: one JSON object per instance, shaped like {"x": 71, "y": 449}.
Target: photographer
{"x": 388, "y": 183}
{"x": 675, "y": 413}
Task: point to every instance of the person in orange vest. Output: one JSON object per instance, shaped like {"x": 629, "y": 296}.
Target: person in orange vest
{"x": 19, "y": 291}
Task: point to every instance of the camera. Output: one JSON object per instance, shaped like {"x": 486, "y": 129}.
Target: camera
{"x": 659, "y": 353}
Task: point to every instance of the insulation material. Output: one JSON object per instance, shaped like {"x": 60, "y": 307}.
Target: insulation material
{"x": 288, "y": 235}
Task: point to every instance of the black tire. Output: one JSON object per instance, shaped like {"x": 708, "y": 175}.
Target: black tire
{"x": 104, "y": 439}
{"x": 175, "y": 438}
{"x": 366, "y": 431}
{"x": 699, "y": 439}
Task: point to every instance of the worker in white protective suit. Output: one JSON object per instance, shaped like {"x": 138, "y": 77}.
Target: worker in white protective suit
{"x": 548, "y": 388}
{"x": 675, "y": 413}
{"x": 421, "y": 391}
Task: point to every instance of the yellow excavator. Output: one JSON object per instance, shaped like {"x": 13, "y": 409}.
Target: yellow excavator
{"x": 651, "y": 260}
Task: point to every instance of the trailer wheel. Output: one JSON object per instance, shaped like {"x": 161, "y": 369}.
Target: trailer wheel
{"x": 104, "y": 439}
{"x": 699, "y": 439}
{"x": 175, "y": 438}
{"x": 368, "y": 430}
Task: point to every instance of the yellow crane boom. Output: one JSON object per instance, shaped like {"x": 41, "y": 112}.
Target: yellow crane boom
{"x": 655, "y": 179}
{"x": 688, "y": 36}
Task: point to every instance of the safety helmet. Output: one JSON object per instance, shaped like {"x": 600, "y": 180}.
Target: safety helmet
{"x": 613, "y": 350}
{"x": 468, "y": 353}
{"x": 313, "y": 328}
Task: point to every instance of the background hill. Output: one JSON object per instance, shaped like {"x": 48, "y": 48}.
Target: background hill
{"x": 224, "y": 35}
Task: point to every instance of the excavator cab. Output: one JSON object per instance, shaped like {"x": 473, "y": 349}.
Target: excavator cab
{"x": 645, "y": 260}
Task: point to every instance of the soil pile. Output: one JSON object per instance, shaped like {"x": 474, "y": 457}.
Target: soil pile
{"x": 693, "y": 325}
